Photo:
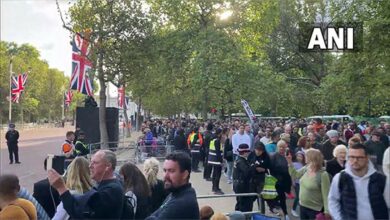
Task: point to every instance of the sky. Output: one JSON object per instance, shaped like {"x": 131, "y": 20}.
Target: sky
{"x": 37, "y": 22}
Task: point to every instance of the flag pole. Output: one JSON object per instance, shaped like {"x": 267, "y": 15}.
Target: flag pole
{"x": 10, "y": 92}
{"x": 63, "y": 106}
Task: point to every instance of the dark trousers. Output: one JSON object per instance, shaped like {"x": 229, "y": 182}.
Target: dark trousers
{"x": 307, "y": 213}
{"x": 257, "y": 187}
{"x": 296, "y": 200}
{"x": 13, "y": 151}
{"x": 217, "y": 169}
{"x": 279, "y": 201}
{"x": 195, "y": 160}
{"x": 207, "y": 170}
{"x": 243, "y": 204}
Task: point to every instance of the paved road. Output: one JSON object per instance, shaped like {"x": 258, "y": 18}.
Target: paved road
{"x": 31, "y": 154}
{"x": 34, "y": 148}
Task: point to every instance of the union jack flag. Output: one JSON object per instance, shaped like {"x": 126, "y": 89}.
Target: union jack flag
{"x": 17, "y": 86}
{"x": 80, "y": 65}
{"x": 68, "y": 97}
{"x": 122, "y": 99}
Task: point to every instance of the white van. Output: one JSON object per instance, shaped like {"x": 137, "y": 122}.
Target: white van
{"x": 342, "y": 118}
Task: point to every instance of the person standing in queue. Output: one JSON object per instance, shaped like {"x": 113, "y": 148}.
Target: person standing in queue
{"x": 242, "y": 174}
{"x": 81, "y": 148}
{"x": 195, "y": 142}
{"x": 215, "y": 160}
{"x": 181, "y": 203}
{"x": 12, "y": 137}
{"x": 279, "y": 169}
{"x": 259, "y": 158}
{"x": 105, "y": 201}
{"x": 208, "y": 136}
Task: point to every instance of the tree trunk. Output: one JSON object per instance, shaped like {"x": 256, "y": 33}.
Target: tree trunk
{"x": 205, "y": 104}
{"x": 102, "y": 107}
{"x": 137, "y": 122}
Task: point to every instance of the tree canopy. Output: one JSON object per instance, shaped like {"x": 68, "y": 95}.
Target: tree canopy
{"x": 189, "y": 56}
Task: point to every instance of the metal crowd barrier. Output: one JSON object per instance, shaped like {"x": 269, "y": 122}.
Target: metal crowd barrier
{"x": 120, "y": 148}
{"x": 259, "y": 200}
{"x": 158, "y": 151}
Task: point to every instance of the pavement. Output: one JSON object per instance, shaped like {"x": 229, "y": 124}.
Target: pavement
{"x": 35, "y": 144}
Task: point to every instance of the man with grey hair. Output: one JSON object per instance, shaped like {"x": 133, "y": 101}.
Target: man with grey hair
{"x": 104, "y": 201}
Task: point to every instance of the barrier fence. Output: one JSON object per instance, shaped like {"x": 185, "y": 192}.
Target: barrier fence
{"x": 259, "y": 201}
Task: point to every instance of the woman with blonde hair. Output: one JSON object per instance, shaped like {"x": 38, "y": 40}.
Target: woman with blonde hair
{"x": 314, "y": 185}
{"x": 156, "y": 186}
{"x": 78, "y": 181}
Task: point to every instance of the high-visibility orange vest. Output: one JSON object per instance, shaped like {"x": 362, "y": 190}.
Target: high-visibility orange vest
{"x": 66, "y": 147}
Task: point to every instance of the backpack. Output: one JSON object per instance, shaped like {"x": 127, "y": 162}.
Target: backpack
{"x": 128, "y": 207}
{"x": 269, "y": 190}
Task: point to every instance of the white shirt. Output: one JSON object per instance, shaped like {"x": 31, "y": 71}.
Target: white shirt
{"x": 238, "y": 139}
{"x": 265, "y": 140}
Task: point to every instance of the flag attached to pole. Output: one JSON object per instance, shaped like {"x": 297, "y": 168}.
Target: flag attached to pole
{"x": 17, "y": 86}
{"x": 68, "y": 97}
{"x": 80, "y": 80}
{"x": 248, "y": 111}
{"x": 121, "y": 96}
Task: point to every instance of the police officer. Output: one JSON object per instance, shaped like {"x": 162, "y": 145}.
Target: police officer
{"x": 81, "y": 148}
{"x": 215, "y": 161}
{"x": 12, "y": 137}
{"x": 195, "y": 141}
{"x": 242, "y": 174}
{"x": 208, "y": 136}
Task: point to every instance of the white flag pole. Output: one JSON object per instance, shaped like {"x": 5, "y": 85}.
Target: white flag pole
{"x": 10, "y": 92}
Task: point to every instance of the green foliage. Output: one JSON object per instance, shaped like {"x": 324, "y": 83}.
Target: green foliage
{"x": 43, "y": 95}
{"x": 179, "y": 56}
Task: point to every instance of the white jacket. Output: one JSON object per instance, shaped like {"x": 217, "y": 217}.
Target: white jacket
{"x": 386, "y": 171}
{"x": 361, "y": 186}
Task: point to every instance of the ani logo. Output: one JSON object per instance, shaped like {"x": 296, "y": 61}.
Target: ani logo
{"x": 332, "y": 37}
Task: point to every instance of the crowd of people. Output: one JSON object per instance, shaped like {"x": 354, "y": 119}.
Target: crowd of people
{"x": 337, "y": 171}
{"x": 306, "y": 158}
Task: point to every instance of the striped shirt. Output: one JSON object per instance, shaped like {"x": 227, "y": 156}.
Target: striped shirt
{"x": 41, "y": 213}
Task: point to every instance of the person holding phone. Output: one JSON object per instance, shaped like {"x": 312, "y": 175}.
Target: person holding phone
{"x": 279, "y": 169}
{"x": 314, "y": 185}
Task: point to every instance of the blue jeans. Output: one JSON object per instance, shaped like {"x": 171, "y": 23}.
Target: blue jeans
{"x": 229, "y": 166}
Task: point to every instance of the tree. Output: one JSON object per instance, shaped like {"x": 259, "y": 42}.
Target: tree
{"x": 111, "y": 25}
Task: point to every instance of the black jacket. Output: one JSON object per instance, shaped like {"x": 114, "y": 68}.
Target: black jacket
{"x": 43, "y": 195}
{"x": 143, "y": 207}
{"x": 180, "y": 142}
{"x": 333, "y": 167}
{"x": 228, "y": 151}
{"x": 102, "y": 202}
{"x": 377, "y": 149}
{"x": 12, "y": 137}
{"x": 159, "y": 194}
{"x": 279, "y": 169}
{"x": 242, "y": 174}
{"x": 327, "y": 149}
{"x": 180, "y": 204}
{"x": 259, "y": 161}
